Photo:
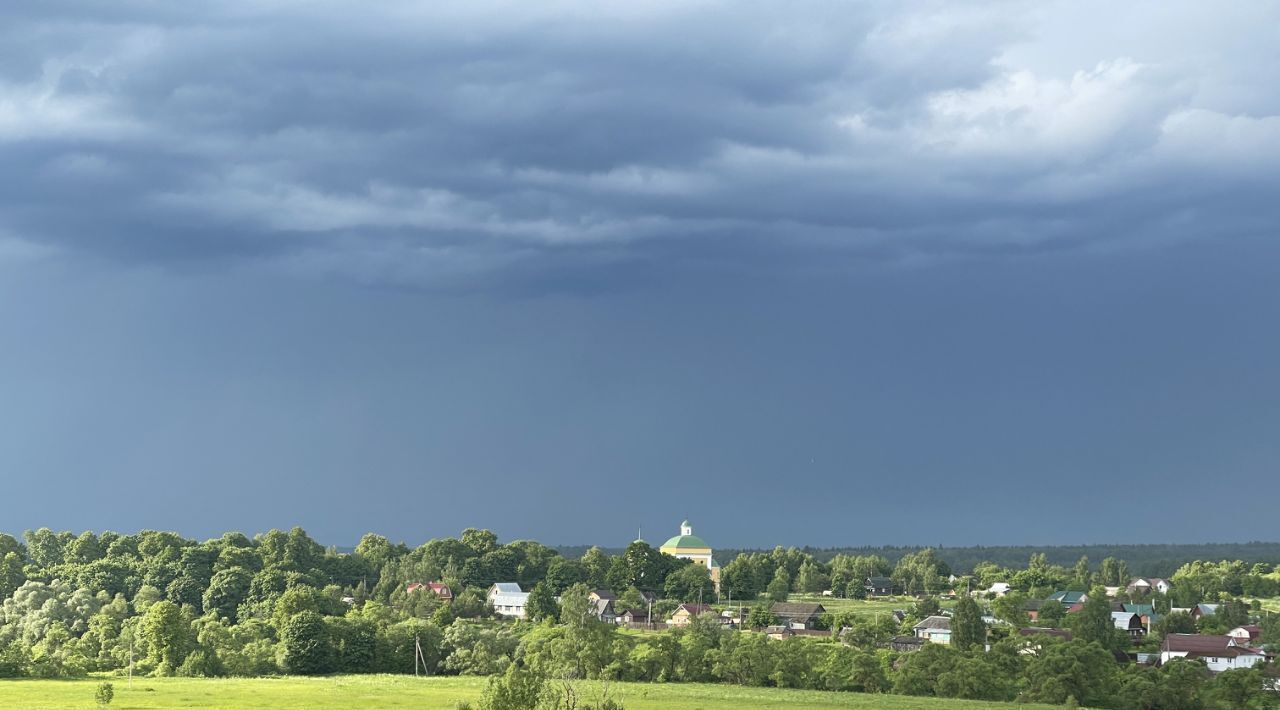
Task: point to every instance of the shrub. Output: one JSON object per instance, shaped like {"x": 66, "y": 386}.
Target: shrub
{"x": 104, "y": 694}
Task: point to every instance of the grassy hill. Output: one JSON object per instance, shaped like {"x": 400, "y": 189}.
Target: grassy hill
{"x": 408, "y": 692}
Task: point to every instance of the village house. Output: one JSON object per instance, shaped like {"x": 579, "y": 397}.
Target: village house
{"x": 440, "y": 589}
{"x": 1071, "y": 601}
{"x": 935, "y": 629}
{"x": 1000, "y": 589}
{"x": 1147, "y": 585}
{"x": 1248, "y": 635}
{"x": 879, "y": 586}
{"x": 905, "y": 644}
{"x": 733, "y": 617}
{"x": 1031, "y": 646}
{"x": 778, "y": 632}
{"x": 798, "y": 616}
{"x": 507, "y": 599}
{"x": 634, "y": 616}
{"x": 1129, "y": 623}
{"x": 687, "y": 546}
{"x": 1146, "y": 611}
{"x": 1202, "y": 610}
{"x": 1220, "y": 653}
{"x": 684, "y": 613}
{"x": 602, "y": 609}
{"x": 598, "y": 594}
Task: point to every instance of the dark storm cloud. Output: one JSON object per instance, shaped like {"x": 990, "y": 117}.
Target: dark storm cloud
{"x": 415, "y": 142}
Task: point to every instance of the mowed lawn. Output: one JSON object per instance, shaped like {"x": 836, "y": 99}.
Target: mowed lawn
{"x": 408, "y": 692}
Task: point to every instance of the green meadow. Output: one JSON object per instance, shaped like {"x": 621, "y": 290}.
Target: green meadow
{"x": 374, "y": 691}
{"x": 869, "y": 607}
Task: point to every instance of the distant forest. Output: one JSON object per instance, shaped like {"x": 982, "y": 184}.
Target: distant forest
{"x": 1143, "y": 560}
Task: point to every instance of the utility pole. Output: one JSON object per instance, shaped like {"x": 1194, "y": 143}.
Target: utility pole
{"x": 130, "y": 660}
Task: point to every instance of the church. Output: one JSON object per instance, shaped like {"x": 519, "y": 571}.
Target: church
{"x": 688, "y": 546}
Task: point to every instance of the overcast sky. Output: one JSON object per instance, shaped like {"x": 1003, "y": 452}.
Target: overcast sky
{"x": 804, "y": 273}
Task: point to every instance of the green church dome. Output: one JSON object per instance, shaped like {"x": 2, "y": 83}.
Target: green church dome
{"x": 691, "y": 541}
{"x": 686, "y": 539}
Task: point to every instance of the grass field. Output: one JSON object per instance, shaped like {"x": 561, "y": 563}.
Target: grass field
{"x": 1272, "y": 604}
{"x": 407, "y": 692}
{"x": 861, "y": 606}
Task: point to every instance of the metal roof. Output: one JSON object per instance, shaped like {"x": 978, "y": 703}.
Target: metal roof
{"x": 511, "y": 599}
{"x": 934, "y": 622}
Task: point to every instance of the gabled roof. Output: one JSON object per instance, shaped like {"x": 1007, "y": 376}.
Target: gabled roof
{"x": 1069, "y": 598}
{"x": 512, "y": 599}
{"x": 604, "y": 594}
{"x": 793, "y": 610}
{"x": 880, "y": 581}
{"x": 506, "y": 588}
{"x": 694, "y": 609}
{"x": 1205, "y": 645}
{"x": 440, "y": 588}
{"x": 1253, "y": 630}
{"x": 1124, "y": 620}
{"x": 642, "y": 614}
{"x": 1208, "y": 609}
{"x": 942, "y": 623}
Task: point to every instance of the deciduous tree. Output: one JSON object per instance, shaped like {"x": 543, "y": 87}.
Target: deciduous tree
{"x": 780, "y": 587}
{"x": 541, "y": 603}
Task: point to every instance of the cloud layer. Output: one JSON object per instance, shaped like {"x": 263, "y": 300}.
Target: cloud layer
{"x": 428, "y": 143}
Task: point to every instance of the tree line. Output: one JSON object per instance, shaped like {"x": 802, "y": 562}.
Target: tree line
{"x": 1154, "y": 560}
{"x": 280, "y": 602}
